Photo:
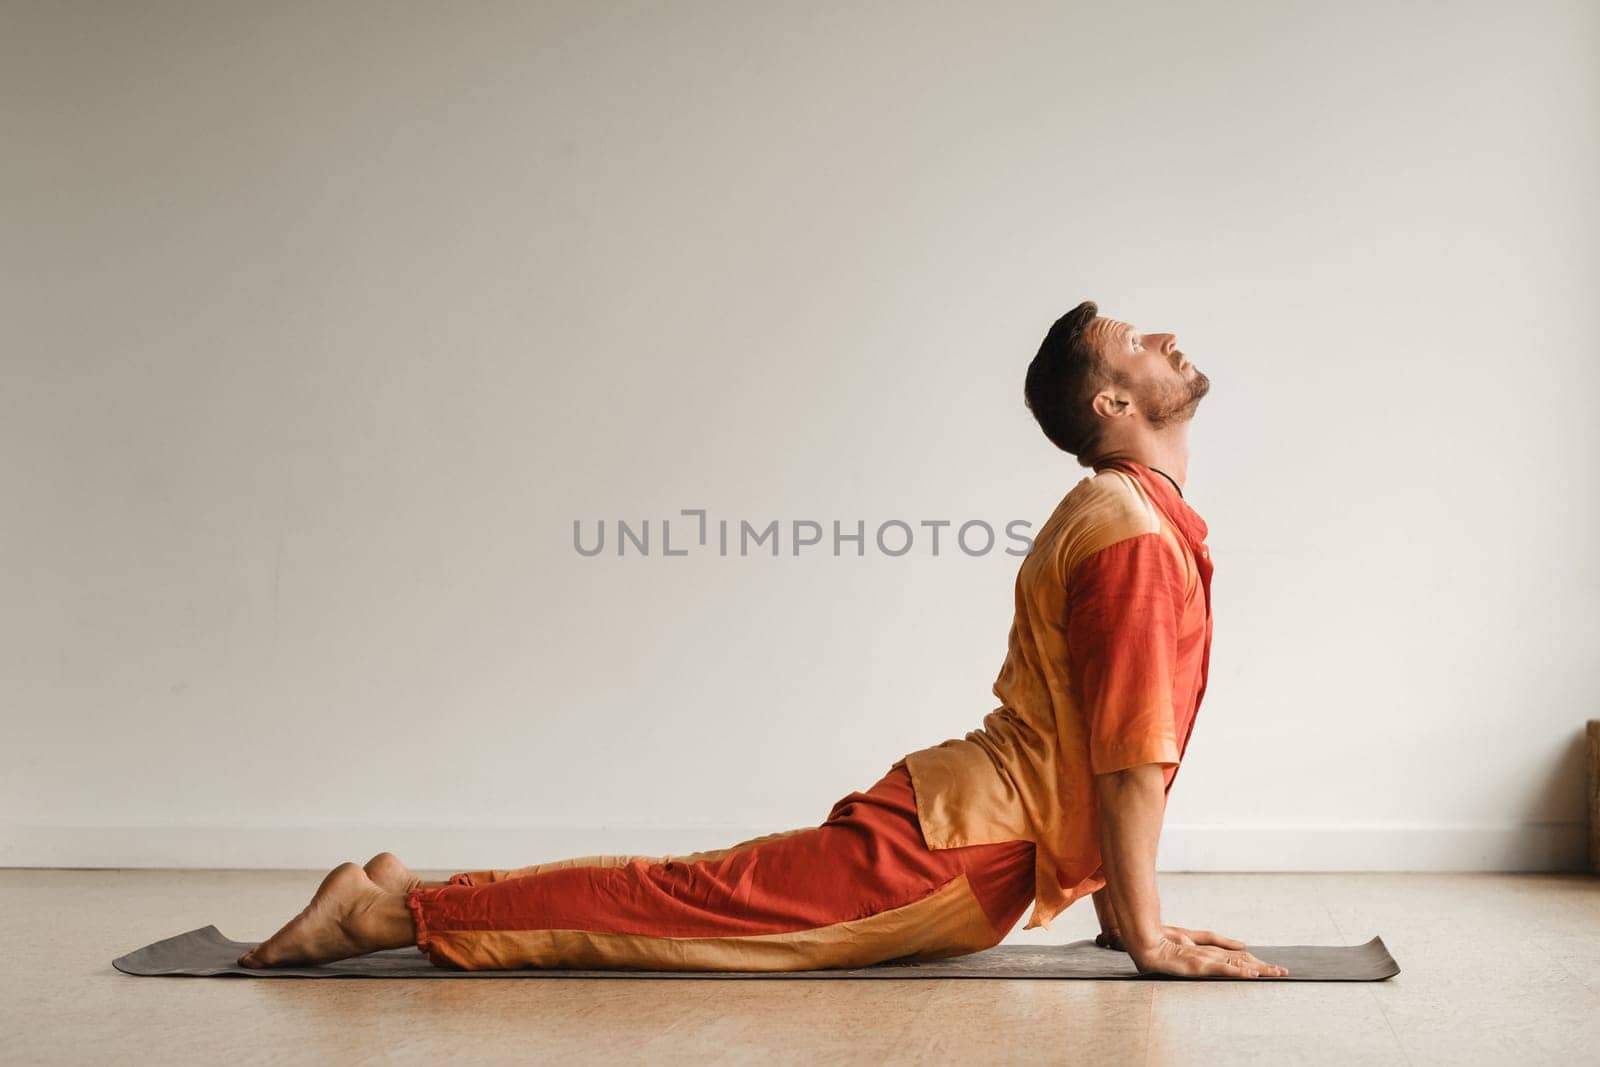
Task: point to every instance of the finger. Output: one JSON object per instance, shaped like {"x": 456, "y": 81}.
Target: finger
{"x": 1265, "y": 969}
{"x": 1211, "y": 937}
{"x": 1210, "y": 961}
{"x": 1229, "y": 967}
{"x": 1262, "y": 964}
{"x": 1247, "y": 965}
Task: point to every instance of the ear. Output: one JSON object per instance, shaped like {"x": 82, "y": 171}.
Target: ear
{"x": 1111, "y": 403}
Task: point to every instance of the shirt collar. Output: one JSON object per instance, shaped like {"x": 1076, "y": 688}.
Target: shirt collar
{"x": 1166, "y": 497}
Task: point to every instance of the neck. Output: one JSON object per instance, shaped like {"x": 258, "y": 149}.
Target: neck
{"x": 1165, "y": 452}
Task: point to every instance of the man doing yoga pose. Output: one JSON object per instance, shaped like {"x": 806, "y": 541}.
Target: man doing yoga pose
{"x": 1059, "y": 795}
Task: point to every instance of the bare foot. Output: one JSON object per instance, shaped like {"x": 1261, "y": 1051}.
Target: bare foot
{"x": 386, "y": 870}
{"x": 350, "y": 915}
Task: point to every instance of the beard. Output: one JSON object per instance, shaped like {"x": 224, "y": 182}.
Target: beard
{"x": 1171, "y": 402}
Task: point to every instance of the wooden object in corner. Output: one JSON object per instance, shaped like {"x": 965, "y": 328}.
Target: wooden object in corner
{"x": 1593, "y": 765}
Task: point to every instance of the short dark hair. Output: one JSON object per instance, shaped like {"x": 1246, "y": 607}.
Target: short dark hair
{"x": 1062, "y": 380}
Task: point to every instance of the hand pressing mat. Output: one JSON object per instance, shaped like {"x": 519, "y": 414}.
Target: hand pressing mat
{"x": 205, "y": 953}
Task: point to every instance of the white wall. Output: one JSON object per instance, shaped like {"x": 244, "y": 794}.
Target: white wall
{"x": 321, "y": 325}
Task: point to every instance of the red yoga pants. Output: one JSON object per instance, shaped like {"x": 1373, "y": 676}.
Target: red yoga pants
{"x": 861, "y": 888}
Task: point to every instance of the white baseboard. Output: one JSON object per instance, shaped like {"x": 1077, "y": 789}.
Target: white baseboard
{"x": 1525, "y": 846}
{"x": 1510, "y": 846}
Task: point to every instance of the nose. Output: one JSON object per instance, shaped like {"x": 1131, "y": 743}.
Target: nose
{"x": 1166, "y": 342}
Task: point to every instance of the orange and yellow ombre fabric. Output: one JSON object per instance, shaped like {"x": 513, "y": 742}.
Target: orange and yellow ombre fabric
{"x": 860, "y": 888}
{"x": 1105, "y": 668}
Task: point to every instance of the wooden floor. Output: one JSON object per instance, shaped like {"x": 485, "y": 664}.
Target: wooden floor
{"x": 1495, "y": 969}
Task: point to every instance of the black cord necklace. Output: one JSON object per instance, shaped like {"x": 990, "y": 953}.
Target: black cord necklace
{"x": 1169, "y": 478}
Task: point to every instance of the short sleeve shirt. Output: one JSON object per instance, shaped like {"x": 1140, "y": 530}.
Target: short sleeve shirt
{"x": 1105, "y": 668}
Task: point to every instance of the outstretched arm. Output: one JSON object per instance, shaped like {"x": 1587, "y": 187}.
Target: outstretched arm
{"x": 1131, "y": 803}
{"x": 1122, "y": 632}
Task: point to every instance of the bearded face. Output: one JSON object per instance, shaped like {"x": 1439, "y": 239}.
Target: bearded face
{"x": 1169, "y": 400}
{"x": 1166, "y": 387}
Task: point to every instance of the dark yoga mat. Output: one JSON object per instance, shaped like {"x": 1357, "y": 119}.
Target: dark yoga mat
{"x": 205, "y": 953}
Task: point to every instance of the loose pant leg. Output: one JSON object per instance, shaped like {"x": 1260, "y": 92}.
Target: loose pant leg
{"x": 861, "y": 888}
{"x": 497, "y": 875}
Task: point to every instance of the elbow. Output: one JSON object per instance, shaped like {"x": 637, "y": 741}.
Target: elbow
{"x": 1138, "y": 774}
{"x": 1136, "y": 784}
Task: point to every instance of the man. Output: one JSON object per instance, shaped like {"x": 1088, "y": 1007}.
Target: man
{"x": 1059, "y": 795}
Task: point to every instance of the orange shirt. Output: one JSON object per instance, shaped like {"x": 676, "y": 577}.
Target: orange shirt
{"x": 1105, "y": 668}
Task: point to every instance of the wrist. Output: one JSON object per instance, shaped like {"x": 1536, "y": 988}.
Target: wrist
{"x": 1142, "y": 935}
